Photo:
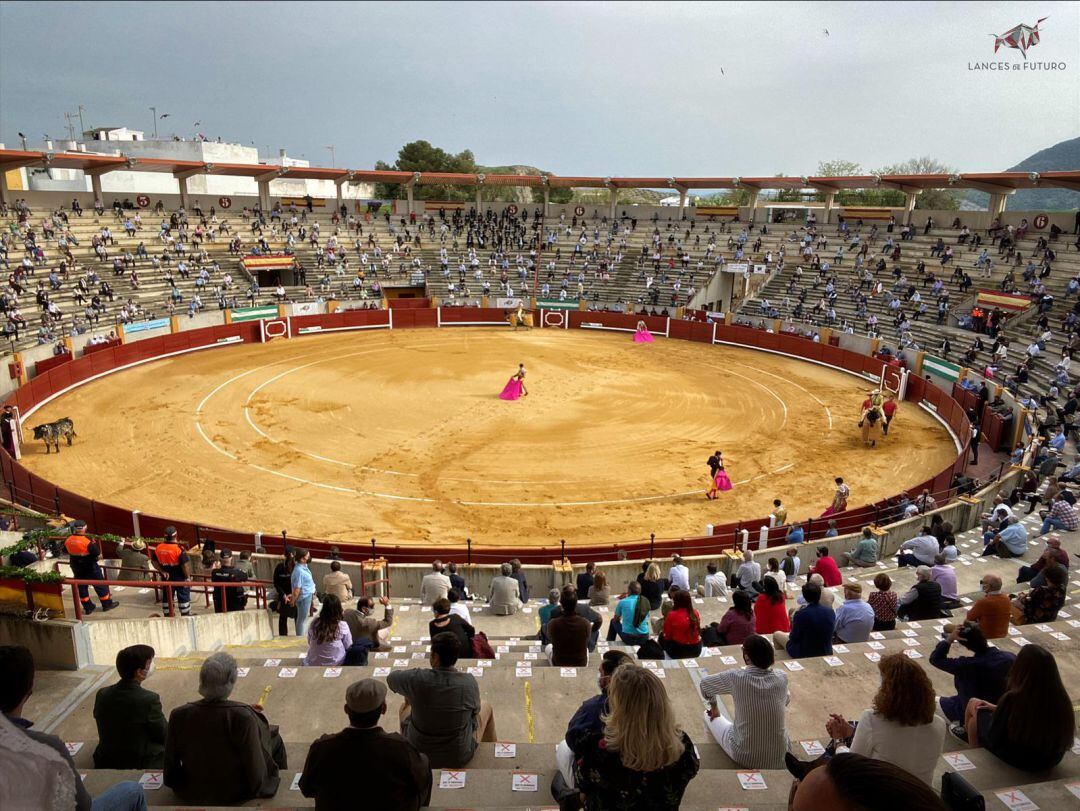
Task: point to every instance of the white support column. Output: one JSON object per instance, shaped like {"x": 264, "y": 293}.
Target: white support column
{"x": 4, "y": 187}
{"x": 95, "y": 187}
{"x": 614, "y": 201}
{"x": 547, "y": 201}
{"x": 182, "y": 182}
{"x": 338, "y": 189}
{"x": 479, "y": 200}
{"x": 830, "y": 200}
{"x": 264, "y": 196}
{"x": 909, "y": 207}
{"x": 136, "y": 529}
{"x": 682, "y": 203}
{"x": 997, "y": 205}
{"x": 753, "y": 202}
{"x": 409, "y": 196}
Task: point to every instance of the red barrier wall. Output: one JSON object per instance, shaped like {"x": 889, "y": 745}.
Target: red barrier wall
{"x": 29, "y": 488}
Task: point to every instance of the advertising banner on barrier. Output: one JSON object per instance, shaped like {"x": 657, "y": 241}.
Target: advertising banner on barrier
{"x": 941, "y": 368}
{"x": 254, "y": 313}
{"x": 761, "y": 268}
{"x": 307, "y": 308}
{"x": 142, "y": 326}
{"x": 555, "y": 304}
{"x": 508, "y": 302}
{"x": 737, "y": 267}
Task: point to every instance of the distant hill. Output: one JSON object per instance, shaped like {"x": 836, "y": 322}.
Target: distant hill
{"x": 1060, "y": 157}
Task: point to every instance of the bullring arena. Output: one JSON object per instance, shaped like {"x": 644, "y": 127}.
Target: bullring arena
{"x": 400, "y": 434}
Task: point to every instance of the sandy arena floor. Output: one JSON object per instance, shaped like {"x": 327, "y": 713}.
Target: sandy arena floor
{"x": 401, "y": 435}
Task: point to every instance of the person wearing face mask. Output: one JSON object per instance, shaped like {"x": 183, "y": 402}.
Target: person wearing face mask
{"x": 362, "y": 625}
{"x": 586, "y": 720}
{"x": 131, "y": 726}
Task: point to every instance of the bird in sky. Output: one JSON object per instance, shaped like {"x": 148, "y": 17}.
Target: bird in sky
{"x": 164, "y": 115}
{"x": 721, "y": 71}
{"x": 197, "y": 123}
{"x": 826, "y": 31}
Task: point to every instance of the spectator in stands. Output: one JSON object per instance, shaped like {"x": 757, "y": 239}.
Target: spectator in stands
{"x": 16, "y": 686}
{"x": 133, "y": 557}
{"x": 652, "y": 586}
{"x": 641, "y": 759}
{"x": 902, "y": 727}
{"x": 738, "y": 621}
{"x": 855, "y": 618}
{"x": 924, "y": 548}
{"x": 443, "y": 715}
{"x": 631, "y": 618}
{"x": 587, "y": 720}
{"x": 795, "y": 534}
{"x": 338, "y": 583}
{"x": 1062, "y": 516}
{"x": 435, "y": 584}
{"x": 1042, "y": 603}
{"x": 444, "y": 621}
{"x": 791, "y": 565}
{"x": 923, "y": 600}
{"x": 1036, "y": 572}
{"x": 364, "y": 626}
{"x": 851, "y": 782}
{"x": 504, "y": 596}
{"x": 811, "y": 627}
{"x": 227, "y": 598}
{"x": 457, "y": 607}
{"x": 748, "y": 576}
{"x": 681, "y": 637}
{"x": 982, "y": 675}
{"x": 715, "y": 583}
{"x": 328, "y": 636}
{"x": 756, "y": 738}
{"x": 1032, "y": 726}
{"x": 827, "y": 568}
{"x": 523, "y": 584}
{"x": 581, "y": 609}
{"x": 1009, "y": 542}
{"x": 245, "y": 565}
{"x": 598, "y": 593}
{"x": 221, "y": 752}
{"x": 772, "y": 572}
{"x": 585, "y": 579}
{"x": 770, "y": 609}
{"x": 457, "y": 582}
{"x": 303, "y": 589}
{"x": 865, "y": 552}
{"x": 283, "y": 587}
{"x": 545, "y": 613}
{"x": 828, "y": 596}
{"x": 992, "y": 610}
{"x": 130, "y": 724}
{"x": 945, "y": 576}
{"x": 364, "y": 761}
{"x": 569, "y": 632}
{"x": 679, "y": 575}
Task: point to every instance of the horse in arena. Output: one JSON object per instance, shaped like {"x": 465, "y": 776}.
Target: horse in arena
{"x": 51, "y": 432}
{"x": 872, "y": 418}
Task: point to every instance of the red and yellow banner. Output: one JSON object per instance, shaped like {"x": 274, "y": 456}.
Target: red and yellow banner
{"x": 278, "y": 261}
{"x": 989, "y": 299}
{"x": 865, "y": 213}
{"x": 716, "y": 211}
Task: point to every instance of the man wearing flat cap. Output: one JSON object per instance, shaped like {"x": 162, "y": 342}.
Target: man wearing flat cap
{"x": 362, "y": 764}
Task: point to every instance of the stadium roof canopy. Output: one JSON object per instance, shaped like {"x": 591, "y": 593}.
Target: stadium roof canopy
{"x": 95, "y": 164}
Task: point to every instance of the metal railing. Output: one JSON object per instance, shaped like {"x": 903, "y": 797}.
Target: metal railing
{"x": 169, "y": 587}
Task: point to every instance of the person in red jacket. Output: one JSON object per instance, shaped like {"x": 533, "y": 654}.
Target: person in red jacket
{"x": 827, "y": 568}
{"x": 770, "y": 609}
{"x": 681, "y": 637}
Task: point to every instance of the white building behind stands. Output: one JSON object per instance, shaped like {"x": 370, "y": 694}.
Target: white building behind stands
{"x": 134, "y": 144}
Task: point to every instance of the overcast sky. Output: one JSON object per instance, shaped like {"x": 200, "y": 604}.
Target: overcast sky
{"x": 573, "y": 88}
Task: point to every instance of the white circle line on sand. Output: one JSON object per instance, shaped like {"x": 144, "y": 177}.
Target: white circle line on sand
{"x": 789, "y": 381}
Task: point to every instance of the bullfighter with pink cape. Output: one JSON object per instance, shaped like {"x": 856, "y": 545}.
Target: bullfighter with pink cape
{"x": 721, "y": 483}
{"x": 515, "y": 387}
{"x": 642, "y": 335}
{"x": 840, "y": 499}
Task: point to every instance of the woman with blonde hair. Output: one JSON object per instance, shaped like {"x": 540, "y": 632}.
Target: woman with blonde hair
{"x": 652, "y": 587}
{"x": 641, "y": 758}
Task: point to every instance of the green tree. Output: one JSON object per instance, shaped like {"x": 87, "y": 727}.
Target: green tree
{"x": 934, "y": 199}
{"x": 838, "y": 168}
{"x": 421, "y": 156}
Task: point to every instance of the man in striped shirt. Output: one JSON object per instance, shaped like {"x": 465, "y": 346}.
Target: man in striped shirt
{"x": 757, "y": 738}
